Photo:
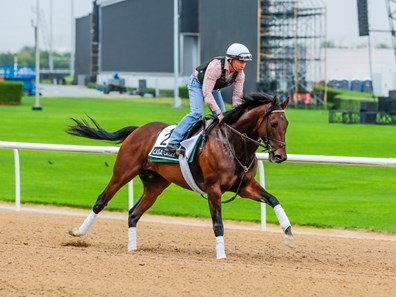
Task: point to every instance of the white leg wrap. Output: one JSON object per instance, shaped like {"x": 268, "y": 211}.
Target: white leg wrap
{"x": 282, "y": 217}
{"x": 132, "y": 244}
{"x": 220, "y": 252}
{"x": 87, "y": 223}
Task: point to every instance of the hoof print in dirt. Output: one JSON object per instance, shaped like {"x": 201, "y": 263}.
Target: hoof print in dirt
{"x": 78, "y": 243}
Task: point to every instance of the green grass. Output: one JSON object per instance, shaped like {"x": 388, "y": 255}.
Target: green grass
{"x": 314, "y": 195}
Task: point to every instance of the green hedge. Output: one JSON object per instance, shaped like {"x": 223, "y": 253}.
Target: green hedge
{"x": 183, "y": 91}
{"x": 340, "y": 99}
{"x": 11, "y": 92}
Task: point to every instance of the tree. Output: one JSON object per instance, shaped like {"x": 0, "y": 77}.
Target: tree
{"x": 328, "y": 44}
{"x": 61, "y": 61}
{"x": 27, "y": 57}
{"x": 382, "y": 46}
{"x": 6, "y": 58}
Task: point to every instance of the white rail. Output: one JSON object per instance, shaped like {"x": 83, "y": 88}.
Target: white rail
{"x": 15, "y": 146}
{"x": 336, "y": 160}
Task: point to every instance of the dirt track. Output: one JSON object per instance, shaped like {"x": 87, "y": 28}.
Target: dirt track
{"x": 39, "y": 258}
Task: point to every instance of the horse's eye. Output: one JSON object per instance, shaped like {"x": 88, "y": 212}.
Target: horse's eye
{"x": 274, "y": 124}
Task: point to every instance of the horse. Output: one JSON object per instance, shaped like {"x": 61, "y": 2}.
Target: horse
{"x": 226, "y": 161}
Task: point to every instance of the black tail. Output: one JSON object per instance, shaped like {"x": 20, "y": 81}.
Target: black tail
{"x": 83, "y": 129}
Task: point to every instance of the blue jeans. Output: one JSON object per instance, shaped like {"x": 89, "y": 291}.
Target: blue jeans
{"x": 196, "y": 109}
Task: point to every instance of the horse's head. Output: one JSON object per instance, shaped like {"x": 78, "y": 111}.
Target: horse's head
{"x": 261, "y": 117}
{"x": 272, "y": 130}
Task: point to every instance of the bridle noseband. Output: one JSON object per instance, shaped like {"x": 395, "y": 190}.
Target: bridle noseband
{"x": 267, "y": 140}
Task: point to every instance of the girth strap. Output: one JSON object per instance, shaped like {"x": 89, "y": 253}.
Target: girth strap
{"x": 185, "y": 169}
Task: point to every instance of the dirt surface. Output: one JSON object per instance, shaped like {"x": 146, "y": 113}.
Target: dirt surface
{"x": 176, "y": 257}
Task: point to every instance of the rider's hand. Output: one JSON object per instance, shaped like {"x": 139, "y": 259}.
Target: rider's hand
{"x": 220, "y": 117}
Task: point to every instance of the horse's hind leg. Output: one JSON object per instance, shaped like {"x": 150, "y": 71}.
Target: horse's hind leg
{"x": 100, "y": 204}
{"x": 118, "y": 180}
{"x": 86, "y": 225}
{"x": 153, "y": 184}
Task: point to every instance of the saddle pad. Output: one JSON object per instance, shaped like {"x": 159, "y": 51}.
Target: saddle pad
{"x": 158, "y": 154}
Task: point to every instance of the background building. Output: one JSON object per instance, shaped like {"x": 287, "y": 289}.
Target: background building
{"x": 135, "y": 39}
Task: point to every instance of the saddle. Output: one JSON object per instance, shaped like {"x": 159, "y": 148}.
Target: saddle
{"x": 197, "y": 136}
{"x": 204, "y": 125}
{"x": 202, "y": 128}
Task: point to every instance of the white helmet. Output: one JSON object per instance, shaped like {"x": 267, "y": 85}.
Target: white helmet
{"x": 239, "y": 51}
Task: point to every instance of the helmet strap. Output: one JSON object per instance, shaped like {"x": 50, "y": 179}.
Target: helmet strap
{"x": 230, "y": 60}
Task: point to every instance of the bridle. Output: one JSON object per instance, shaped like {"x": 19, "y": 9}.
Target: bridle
{"x": 267, "y": 146}
{"x": 267, "y": 140}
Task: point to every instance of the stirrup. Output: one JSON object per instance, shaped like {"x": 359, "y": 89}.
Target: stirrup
{"x": 172, "y": 148}
{"x": 180, "y": 151}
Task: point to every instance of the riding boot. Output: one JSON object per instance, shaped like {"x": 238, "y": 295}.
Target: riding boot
{"x": 171, "y": 148}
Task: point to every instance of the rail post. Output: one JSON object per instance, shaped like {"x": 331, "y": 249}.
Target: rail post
{"x": 17, "y": 181}
{"x": 262, "y": 205}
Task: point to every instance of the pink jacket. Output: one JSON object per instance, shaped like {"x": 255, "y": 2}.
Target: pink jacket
{"x": 212, "y": 74}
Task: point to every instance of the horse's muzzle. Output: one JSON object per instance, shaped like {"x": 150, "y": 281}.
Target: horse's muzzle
{"x": 277, "y": 156}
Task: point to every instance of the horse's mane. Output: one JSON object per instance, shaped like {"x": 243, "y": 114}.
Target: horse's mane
{"x": 249, "y": 101}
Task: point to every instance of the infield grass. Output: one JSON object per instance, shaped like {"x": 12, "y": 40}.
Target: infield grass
{"x": 315, "y": 195}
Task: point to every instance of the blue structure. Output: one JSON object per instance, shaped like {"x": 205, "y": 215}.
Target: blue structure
{"x": 333, "y": 83}
{"x": 367, "y": 86}
{"x": 25, "y": 74}
{"x": 343, "y": 84}
{"x": 356, "y": 85}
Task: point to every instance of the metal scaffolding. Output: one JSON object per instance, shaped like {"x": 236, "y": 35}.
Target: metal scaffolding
{"x": 94, "y": 52}
{"x": 292, "y": 36}
{"x": 391, "y": 10}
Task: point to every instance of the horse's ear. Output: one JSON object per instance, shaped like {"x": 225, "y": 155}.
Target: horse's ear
{"x": 285, "y": 103}
{"x": 274, "y": 101}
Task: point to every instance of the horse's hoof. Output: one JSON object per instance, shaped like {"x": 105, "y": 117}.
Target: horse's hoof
{"x": 289, "y": 241}
{"x": 75, "y": 232}
{"x": 132, "y": 247}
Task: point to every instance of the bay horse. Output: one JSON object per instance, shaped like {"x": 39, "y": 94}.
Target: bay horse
{"x": 226, "y": 162}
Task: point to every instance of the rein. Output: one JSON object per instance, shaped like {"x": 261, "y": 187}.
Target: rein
{"x": 244, "y": 137}
{"x": 245, "y": 168}
{"x": 267, "y": 146}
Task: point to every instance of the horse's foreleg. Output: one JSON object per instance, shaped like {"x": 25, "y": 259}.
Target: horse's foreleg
{"x": 284, "y": 223}
{"x": 217, "y": 221}
{"x": 282, "y": 218}
{"x": 257, "y": 193}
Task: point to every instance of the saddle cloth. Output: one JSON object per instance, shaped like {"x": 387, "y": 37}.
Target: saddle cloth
{"x": 158, "y": 153}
